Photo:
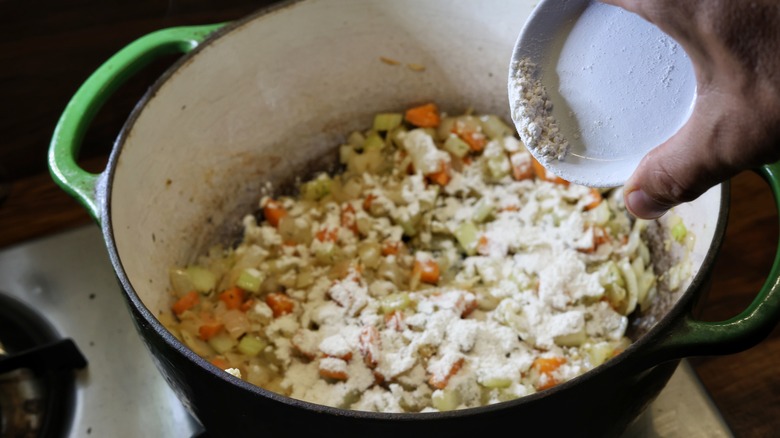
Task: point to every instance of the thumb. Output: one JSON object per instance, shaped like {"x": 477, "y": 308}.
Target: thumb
{"x": 679, "y": 170}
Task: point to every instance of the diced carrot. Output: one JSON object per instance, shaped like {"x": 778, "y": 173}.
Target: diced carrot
{"x": 482, "y": 245}
{"x": 549, "y": 383}
{"x": 209, "y": 329}
{"x": 220, "y": 363}
{"x": 348, "y": 219}
{"x": 596, "y": 199}
{"x": 542, "y": 173}
{"x": 395, "y": 320}
{"x": 427, "y": 270}
{"x": 600, "y": 237}
{"x": 368, "y": 201}
{"x": 274, "y": 212}
{"x": 547, "y": 365}
{"x": 440, "y": 382}
{"x": 391, "y": 248}
{"x": 466, "y": 306}
{"x": 522, "y": 167}
{"x": 441, "y": 176}
{"x": 333, "y": 374}
{"x": 327, "y": 235}
{"x": 423, "y": 116}
{"x": 368, "y": 344}
{"x": 248, "y": 304}
{"x": 186, "y": 302}
{"x": 233, "y": 297}
{"x": 279, "y": 303}
{"x": 475, "y": 139}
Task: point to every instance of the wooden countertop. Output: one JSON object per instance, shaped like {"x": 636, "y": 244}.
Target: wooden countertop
{"x": 43, "y": 51}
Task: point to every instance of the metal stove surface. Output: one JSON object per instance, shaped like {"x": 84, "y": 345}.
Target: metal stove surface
{"x": 68, "y": 278}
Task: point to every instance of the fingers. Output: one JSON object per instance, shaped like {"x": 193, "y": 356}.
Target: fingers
{"x": 679, "y": 170}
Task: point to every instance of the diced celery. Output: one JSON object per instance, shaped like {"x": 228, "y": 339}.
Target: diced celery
{"x": 466, "y": 233}
{"x": 394, "y": 302}
{"x": 374, "y": 141}
{"x": 482, "y": 210}
{"x": 456, "y": 146}
{"x": 446, "y": 399}
{"x": 598, "y": 353}
{"x": 498, "y": 166}
{"x": 180, "y": 281}
{"x": 222, "y": 342}
{"x": 494, "y": 127}
{"x": 679, "y": 231}
{"x": 251, "y": 345}
{"x": 387, "y": 121}
{"x": 203, "y": 280}
{"x": 572, "y": 339}
{"x": 345, "y": 153}
{"x": 356, "y": 139}
{"x": 198, "y": 346}
{"x": 317, "y": 188}
{"x": 250, "y": 280}
{"x": 496, "y": 382}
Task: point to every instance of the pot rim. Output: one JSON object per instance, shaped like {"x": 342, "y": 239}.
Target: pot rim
{"x": 665, "y": 325}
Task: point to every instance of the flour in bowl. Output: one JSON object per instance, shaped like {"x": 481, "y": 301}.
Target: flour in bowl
{"x": 442, "y": 269}
{"x": 532, "y": 113}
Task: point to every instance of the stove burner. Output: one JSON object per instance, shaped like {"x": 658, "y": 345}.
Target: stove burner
{"x": 37, "y": 388}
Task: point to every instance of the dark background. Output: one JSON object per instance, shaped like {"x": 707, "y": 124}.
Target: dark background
{"x": 49, "y": 47}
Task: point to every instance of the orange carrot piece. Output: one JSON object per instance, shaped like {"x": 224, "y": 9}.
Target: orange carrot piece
{"x": 333, "y": 374}
{"x": 542, "y": 173}
{"x": 440, "y": 382}
{"x": 186, "y": 302}
{"x": 427, "y": 270}
{"x": 348, "y": 218}
{"x": 482, "y": 245}
{"x": 547, "y": 365}
{"x": 248, "y": 304}
{"x": 368, "y": 201}
{"x": 233, "y": 298}
{"x": 274, "y": 212}
{"x": 327, "y": 235}
{"x": 280, "y": 303}
{"x": 476, "y": 140}
{"x": 390, "y": 248}
{"x": 441, "y": 176}
{"x": 368, "y": 344}
{"x": 220, "y": 363}
{"x": 522, "y": 166}
{"x": 423, "y": 116}
{"x": 596, "y": 197}
{"x": 209, "y": 329}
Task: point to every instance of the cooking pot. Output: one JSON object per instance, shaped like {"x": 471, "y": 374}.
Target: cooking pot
{"x": 269, "y": 98}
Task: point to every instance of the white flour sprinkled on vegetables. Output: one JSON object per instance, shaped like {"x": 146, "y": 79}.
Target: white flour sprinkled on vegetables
{"x": 442, "y": 269}
{"x": 532, "y": 113}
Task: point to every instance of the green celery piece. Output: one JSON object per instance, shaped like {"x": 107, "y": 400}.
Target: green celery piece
{"x": 466, "y": 234}
{"x": 387, "y": 121}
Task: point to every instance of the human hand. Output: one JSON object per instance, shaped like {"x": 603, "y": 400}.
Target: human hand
{"x": 734, "y": 46}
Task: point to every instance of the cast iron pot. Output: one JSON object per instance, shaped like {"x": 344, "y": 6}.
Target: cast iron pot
{"x": 269, "y": 98}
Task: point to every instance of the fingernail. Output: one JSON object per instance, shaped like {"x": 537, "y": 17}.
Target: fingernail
{"x": 643, "y": 206}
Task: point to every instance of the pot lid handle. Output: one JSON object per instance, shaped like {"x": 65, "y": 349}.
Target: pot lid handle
{"x": 93, "y": 93}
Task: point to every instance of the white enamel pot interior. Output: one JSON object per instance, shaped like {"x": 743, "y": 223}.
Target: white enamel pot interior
{"x": 270, "y": 98}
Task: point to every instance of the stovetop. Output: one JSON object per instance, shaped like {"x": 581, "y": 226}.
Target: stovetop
{"x": 68, "y": 278}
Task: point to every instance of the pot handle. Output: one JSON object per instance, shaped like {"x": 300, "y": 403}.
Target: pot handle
{"x": 93, "y": 93}
{"x": 702, "y": 338}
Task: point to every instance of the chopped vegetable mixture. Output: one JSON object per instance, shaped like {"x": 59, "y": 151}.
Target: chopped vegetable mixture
{"x": 444, "y": 268}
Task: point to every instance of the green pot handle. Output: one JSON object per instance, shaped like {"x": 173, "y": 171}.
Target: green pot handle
{"x": 702, "y": 338}
{"x": 90, "y": 97}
